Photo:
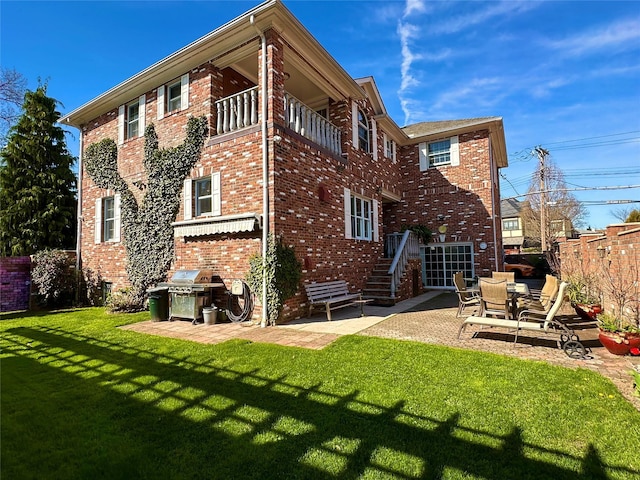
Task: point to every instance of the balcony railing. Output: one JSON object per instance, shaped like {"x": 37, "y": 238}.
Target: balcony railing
{"x": 241, "y": 110}
{"x": 305, "y": 121}
{"x": 237, "y": 111}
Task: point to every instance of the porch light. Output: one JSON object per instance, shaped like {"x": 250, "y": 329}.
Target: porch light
{"x": 601, "y": 251}
{"x": 576, "y": 253}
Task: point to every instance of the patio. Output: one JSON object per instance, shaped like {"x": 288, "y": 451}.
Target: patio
{"x": 428, "y": 318}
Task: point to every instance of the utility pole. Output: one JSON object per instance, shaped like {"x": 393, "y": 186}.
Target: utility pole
{"x": 542, "y": 155}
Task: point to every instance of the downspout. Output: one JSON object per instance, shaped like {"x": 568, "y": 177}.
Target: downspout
{"x": 265, "y": 172}
{"x": 79, "y": 221}
{"x": 493, "y": 203}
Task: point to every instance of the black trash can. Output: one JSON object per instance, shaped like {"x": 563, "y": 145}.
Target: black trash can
{"x": 158, "y": 303}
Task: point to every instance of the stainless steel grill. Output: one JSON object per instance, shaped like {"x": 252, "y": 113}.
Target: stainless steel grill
{"x": 189, "y": 292}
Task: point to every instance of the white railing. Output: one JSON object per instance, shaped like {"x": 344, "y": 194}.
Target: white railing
{"x": 403, "y": 246}
{"x": 237, "y": 111}
{"x": 305, "y": 121}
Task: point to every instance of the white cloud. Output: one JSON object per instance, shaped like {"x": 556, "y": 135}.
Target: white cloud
{"x": 622, "y": 34}
{"x": 418, "y": 6}
{"x": 491, "y": 10}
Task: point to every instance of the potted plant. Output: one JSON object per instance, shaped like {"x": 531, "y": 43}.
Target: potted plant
{"x": 620, "y": 328}
{"x": 617, "y": 335}
{"x": 584, "y": 295}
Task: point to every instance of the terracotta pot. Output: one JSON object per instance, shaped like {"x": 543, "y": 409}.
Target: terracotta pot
{"x": 619, "y": 343}
{"x": 587, "y": 312}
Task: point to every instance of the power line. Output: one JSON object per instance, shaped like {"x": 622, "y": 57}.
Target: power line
{"x": 617, "y": 187}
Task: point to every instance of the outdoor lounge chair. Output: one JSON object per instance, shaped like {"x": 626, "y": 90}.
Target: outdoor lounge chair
{"x": 533, "y": 321}
{"x": 465, "y": 297}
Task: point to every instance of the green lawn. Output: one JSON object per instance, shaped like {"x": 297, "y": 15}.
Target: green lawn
{"x": 82, "y": 399}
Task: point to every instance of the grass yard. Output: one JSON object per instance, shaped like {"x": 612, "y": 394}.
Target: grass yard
{"x": 82, "y": 399}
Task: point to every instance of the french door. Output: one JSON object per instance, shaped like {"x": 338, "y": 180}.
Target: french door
{"x": 441, "y": 260}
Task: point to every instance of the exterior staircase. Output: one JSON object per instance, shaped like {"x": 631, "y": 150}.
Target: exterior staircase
{"x": 378, "y": 287}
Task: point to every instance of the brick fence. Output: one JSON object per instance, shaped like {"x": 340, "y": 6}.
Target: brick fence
{"x": 15, "y": 283}
{"x": 612, "y": 257}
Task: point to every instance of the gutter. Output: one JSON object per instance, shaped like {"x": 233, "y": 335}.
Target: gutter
{"x": 265, "y": 171}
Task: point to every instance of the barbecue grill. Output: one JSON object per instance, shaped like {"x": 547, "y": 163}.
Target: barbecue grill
{"x": 189, "y": 292}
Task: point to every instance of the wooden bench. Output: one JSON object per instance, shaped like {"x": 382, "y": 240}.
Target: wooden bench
{"x": 332, "y": 295}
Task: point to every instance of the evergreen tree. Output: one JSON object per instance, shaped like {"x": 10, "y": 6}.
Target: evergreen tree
{"x": 37, "y": 186}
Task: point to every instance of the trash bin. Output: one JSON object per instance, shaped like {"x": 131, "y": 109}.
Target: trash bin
{"x": 158, "y": 303}
{"x": 209, "y": 314}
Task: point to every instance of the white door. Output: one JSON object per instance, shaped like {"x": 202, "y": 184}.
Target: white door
{"x": 441, "y": 260}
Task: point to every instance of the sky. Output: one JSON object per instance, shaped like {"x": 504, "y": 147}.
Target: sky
{"x": 564, "y": 76}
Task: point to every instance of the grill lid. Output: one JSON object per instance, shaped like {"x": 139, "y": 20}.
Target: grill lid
{"x": 189, "y": 277}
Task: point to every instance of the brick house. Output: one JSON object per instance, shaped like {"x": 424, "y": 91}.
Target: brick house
{"x": 342, "y": 176}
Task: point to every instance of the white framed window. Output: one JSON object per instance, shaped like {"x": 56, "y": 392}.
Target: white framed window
{"x": 438, "y": 153}
{"x": 131, "y": 119}
{"x": 173, "y": 96}
{"x": 510, "y": 224}
{"x": 107, "y": 219}
{"x": 363, "y": 132}
{"x": 204, "y": 194}
{"x": 361, "y": 217}
{"x": 389, "y": 148}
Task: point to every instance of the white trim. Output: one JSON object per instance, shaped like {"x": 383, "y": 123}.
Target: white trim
{"x": 347, "y": 214}
{"x": 215, "y": 194}
{"x": 184, "y": 91}
{"x": 141, "y": 115}
{"x": 188, "y": 198}
{"x": 121, "y": 124}
{"x": 423, "y": 149}
{"x": 374, "y": 223}
{"x": 116, "y": 217}
{"x": 97, "y": 232}
{"x": 160, "y": 103}
{"x": 374, "y": 139}
{"x": 354, "y": 125}
{"x": 454, "y": 151}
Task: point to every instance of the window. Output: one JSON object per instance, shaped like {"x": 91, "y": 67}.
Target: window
{"x": 203, "y": 196}
{"x": 107, "y": 219}
{"x": 133, "y": 117}
{"x": 510, "y": 224}
{"x": 204, "y": 193}
{"x": 389, "y": 148}
{"x": 363, "y": 132}
{"x": 174, "y": 96}
{"x": 440, "y": 152}
{"x": 360, "y": 218}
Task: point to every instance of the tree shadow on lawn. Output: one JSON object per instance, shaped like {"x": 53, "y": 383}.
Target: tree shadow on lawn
{"x": 129, "y": 413}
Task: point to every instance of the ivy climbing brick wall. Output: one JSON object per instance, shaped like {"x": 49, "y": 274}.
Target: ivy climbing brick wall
{"x": 15, "y": 283}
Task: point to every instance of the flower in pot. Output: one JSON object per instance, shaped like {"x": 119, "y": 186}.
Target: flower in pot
{"x": 617, "y": 335}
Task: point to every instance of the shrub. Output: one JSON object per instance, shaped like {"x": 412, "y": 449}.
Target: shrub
{"x": 91, "y": 287}
{"x": 54, "y": 278}
{"x": 123, "y": 301}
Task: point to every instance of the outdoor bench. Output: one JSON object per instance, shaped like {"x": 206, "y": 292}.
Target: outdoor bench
{"x": 331, "y": 295}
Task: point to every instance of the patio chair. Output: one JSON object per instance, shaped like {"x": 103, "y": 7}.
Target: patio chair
{"x": 494, "y": 298}
{"x": 465, "y": 297}
{"x": 546, "y": 298}
{"x": 535, "y": 321}
{"x": 508, "y": 276}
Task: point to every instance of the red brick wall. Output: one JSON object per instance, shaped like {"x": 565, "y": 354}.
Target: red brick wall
{"x": 298, "y": 169}
{"x": 613, "y": 254}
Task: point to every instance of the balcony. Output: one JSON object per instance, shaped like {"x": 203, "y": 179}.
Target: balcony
{"x": 240, "y": 110}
